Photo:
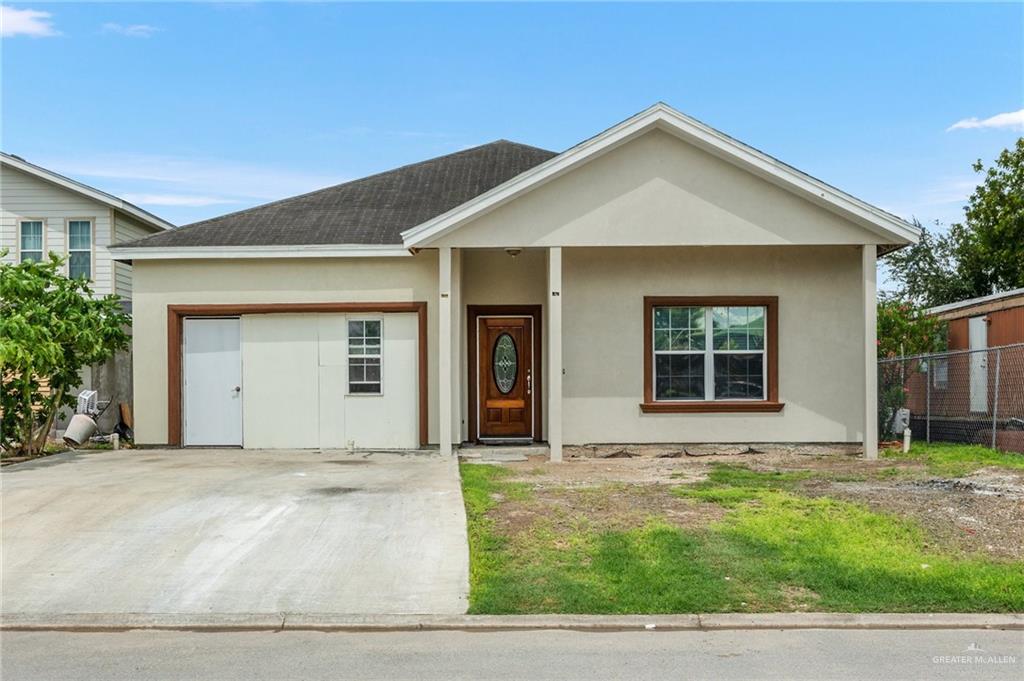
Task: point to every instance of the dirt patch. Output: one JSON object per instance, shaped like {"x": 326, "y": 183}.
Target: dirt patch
{"x": 701, "y": 450}
{"x": 799, "y": 598}
{"x": 981, "y": 513}
{"x": 671, "y": 465}
{"x": 606, "y": 508}
{"x": 581, "y": 472}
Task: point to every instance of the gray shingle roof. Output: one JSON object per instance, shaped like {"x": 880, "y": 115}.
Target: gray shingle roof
{"x": 373, "y": 210}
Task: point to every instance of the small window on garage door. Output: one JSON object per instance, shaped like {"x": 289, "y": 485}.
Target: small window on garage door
{"x": 364, "y": 356}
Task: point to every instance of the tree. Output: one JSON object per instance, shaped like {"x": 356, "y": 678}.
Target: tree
{"x": 50, "y": 327}
{"x": 981, "y": 255}
{"x": 925, "y": 273}
{"x": 905, "y": 329}
{"x": 990, "y": 241}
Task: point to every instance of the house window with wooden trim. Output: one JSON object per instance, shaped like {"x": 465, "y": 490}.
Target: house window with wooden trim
{"x": 80, "y": 249}
{"x": 30, "y": 240}
{"x": 364, "y": 356}
{"x": 706, "y": 354}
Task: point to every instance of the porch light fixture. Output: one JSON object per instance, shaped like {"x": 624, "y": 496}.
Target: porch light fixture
{"x": 513, "y": 251}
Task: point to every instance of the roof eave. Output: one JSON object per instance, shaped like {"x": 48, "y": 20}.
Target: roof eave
{"x": 973, "y": 302}
{"x": 124, "y": 253}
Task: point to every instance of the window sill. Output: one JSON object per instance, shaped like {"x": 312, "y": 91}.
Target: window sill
{"x": 711, "y": 407}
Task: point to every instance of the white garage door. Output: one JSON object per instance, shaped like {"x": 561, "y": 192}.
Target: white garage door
{"x": 330, "y": 381}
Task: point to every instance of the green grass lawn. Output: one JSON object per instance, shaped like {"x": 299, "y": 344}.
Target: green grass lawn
{"x": 770, "y": 549}
{"x": 953, "y": 460}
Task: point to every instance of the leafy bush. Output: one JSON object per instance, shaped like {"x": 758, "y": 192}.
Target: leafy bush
{"x": 50, "y": 327}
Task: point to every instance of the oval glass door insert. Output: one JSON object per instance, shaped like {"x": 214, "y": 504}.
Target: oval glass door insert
{"x": 505, "y": 363}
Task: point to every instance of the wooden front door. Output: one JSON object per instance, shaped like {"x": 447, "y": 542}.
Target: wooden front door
{"x": 505, "y": 377}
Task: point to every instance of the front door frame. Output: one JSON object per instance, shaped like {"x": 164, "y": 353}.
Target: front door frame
{"x": 185, "y": 373}
{"x": 473, "y": 313}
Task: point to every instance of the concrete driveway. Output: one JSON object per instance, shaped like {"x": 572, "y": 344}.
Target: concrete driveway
{"x": 234, "y": 531}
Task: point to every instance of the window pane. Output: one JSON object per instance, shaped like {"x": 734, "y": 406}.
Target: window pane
{"x": 738, "y": 328}
{"x": 356, "y": 372}
{"x": 373, "y": 372}
{"x": 679, "y": 328}
{"x": 720, "y": 327}
{"x": 739, "y": 376}
{"x": 755, "y": 328}
{"x": 355, "y": 330}
{"x": 679, "y": 377}
{"x": 31, "y": 255}
{"x": 696, "y": 328}
{"x": 940, "y": 373}
{"x": 373, "y": 329}
{"x": 79, "y": 235}
{"x": 364, "y": 375}
{"x": 79, "y": 264}
{"x": 679, "y": 319}
{"x": 661, "y": 317}
{"x": 32, "y": 237}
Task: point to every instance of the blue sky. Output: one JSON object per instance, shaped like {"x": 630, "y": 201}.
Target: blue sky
{"x": 193, "y": 110}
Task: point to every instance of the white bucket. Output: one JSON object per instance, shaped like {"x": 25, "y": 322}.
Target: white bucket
{"x": 79, "y": 430}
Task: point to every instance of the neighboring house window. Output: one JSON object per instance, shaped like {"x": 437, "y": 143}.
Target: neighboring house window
{"x": 80, "y": 249}
{"x": 31, "y": 236}
{"x": 364, "y": 356}
{"x": 940, "y": 373}
{"x": 711, "y": 354}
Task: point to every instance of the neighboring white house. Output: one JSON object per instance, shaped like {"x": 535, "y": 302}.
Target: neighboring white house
{"x": 659, "y": 282}
{"x": 43, "y": 212}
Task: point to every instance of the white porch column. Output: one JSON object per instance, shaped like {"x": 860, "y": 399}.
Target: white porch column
{"x": 868, "y": 274}
{"x": 554, "y": 377}
{"x": 444, "y": 349}
{"x": 456, "y": 353}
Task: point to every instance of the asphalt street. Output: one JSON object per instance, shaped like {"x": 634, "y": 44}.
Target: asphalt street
{"x": 820, "y": 655}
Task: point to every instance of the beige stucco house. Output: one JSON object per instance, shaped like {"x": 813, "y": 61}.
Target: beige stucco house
{"x": 659, "y": 282}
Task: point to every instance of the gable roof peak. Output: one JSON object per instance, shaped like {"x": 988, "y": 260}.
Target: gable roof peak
{"x": 51, "y": 177}
{"x": 891, "y": 228}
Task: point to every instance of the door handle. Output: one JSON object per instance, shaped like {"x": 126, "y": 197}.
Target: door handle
{"x": 529, "y": 381}
{"x": 238, "y": 388}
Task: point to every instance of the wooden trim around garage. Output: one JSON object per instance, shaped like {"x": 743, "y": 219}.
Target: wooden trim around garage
{"x": 177, "y": 313}
{"x": 772, "y": 404}
{"x": 473, "y": 312}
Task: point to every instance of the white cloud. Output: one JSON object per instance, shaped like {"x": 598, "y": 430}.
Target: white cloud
{"x": 203, "y": 177}
{"x": 30, "y": 22}
{"x": 953, "y": 190}
{"x": 184, "y": 189}
{"x": 943, "y": 201}
{"x": 188, "y": 200}
{"x": 130, "y": 30}
{"x": 1010, "y": 119}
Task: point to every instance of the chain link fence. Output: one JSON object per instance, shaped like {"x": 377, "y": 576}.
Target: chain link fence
{"x": 965, "y": 396}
